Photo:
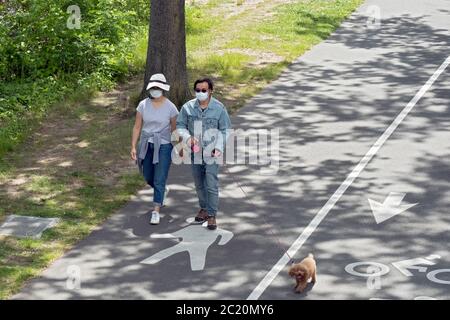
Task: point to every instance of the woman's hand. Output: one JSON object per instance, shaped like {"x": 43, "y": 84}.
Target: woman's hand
{"x": 179, "y": 149}
{"x": 136, "y": 132}
{"x": 133, "y": 153}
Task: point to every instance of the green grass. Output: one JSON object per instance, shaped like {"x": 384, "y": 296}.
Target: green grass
{"x": 229, "y": 66}
{"x": 78, "y": 193}
{"x": 296, "y": 28}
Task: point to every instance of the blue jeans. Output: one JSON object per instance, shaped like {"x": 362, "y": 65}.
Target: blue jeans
{"x": 156, "y": 174}
{"x": 207, "y": 186}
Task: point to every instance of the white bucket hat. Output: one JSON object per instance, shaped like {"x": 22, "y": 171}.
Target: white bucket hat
{"x": 158, "y": 80}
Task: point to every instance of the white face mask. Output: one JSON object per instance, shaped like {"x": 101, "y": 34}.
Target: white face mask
{"x": 202, "y": 96}
{"x": 156, "y": 93}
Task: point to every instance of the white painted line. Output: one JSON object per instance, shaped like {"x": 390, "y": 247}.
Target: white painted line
{"x": 270, "y": 276}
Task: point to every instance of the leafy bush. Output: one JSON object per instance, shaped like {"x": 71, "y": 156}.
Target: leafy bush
{"x": 42, "y": 60}
{"x": 37, "y": 43}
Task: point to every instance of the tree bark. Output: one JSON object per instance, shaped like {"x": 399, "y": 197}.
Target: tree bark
{"x": 166, "y": 51}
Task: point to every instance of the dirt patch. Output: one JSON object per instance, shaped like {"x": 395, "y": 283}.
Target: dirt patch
{"x": 260, "y": 58}
{"x": 258, "y": 8}
{"x": 196, "y": 2}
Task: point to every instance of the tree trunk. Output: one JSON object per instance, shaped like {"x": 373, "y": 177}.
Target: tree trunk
{"x": 166, "y": 51}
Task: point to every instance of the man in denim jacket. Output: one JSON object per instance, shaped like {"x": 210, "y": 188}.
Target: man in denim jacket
{"x": 203, "y": 124}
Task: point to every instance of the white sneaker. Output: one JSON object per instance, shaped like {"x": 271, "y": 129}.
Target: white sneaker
{"x": 155, "y": 218}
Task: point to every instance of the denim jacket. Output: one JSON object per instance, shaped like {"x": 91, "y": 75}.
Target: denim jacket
{"x": 143, "y": 147}
{"x": 214, "y": 117}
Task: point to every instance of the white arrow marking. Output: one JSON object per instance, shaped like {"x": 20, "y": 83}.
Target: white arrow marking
{"x": 391, "y": 206}
{"x": 404, "y": 265}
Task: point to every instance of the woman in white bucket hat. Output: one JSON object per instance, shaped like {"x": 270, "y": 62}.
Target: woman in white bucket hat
{"x": 155, "y": 121}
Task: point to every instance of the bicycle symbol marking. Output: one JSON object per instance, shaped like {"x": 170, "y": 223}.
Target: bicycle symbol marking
{"x": 383, "y": 269}
{"x": 432, "y": 276}
{"x": 377, "y": 270}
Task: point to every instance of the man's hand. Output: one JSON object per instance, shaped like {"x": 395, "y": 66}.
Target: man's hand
{"x": 192, "y": 141}
{"x": 216, "y": 153}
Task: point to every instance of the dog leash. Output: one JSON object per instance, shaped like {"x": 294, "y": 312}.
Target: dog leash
{"x": 271, "y": 227}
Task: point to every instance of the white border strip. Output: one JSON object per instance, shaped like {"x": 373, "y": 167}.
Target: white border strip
{"x": 284, "y": 260}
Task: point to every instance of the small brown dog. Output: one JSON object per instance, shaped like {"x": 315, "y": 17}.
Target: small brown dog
{"x": 302, "y": 272}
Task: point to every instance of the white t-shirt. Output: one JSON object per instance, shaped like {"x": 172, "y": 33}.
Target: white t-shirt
{"x": 157, "y": 119}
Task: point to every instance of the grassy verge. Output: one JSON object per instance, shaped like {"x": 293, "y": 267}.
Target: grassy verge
{"x": 76, "y": 166}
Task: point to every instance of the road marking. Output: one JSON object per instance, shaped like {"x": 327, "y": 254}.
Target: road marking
{"x": 195, "y": 239}
{"x": 424, "y": 298}
{"x": 298, "y": 243}
{"x": 405, "y": 265}
{"x": 391, "y": 207}
{"x": 381, "y": 269}
{"x": 416, "y": 298}
{"x": 432, "y": 276}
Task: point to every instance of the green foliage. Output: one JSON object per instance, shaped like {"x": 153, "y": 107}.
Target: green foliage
{"x": 37, "y": 41}
{"x": 196, "y": 21}
{"x": 42, "y": 60}
{"x": 23, "y": 103}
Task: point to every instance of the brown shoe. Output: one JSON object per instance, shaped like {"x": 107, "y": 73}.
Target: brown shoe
{"x": 212, "y": 225}
{"x": 202, "y": 216}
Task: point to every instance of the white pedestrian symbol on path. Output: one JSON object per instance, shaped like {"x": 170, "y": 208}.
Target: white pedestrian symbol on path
{"x": 195, "y": 239}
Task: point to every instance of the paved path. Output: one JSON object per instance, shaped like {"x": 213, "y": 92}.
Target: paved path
{"x": 333, "y": 108}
